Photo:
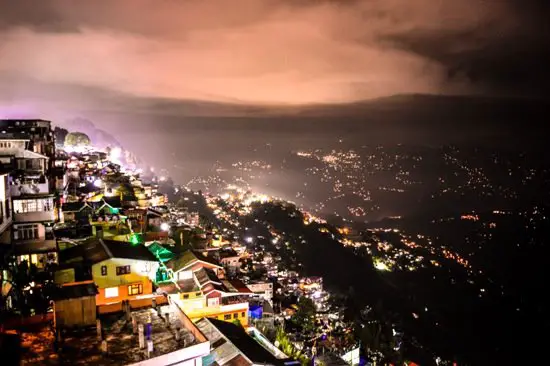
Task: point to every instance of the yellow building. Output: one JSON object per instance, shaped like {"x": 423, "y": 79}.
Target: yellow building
{"x": 197, "y": 288}
{"x": 120, "y": 270}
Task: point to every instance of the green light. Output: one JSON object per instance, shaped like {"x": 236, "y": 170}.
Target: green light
{"x": 134, "y": 239}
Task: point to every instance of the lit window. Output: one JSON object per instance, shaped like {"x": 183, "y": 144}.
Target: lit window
{"x": 135, "y": 289}
{"x": 111, "y": 292}
{"x": 36, "y": 205}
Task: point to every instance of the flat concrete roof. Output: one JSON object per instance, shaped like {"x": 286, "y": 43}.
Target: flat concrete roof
{"x": 82, "y": 347}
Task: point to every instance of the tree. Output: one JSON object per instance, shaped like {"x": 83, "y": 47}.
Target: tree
{"x": 60, "y": 134}
{"x": 284, "y": 344}
{"x": 77, "y": 139}
{"x": 305, "y": 315}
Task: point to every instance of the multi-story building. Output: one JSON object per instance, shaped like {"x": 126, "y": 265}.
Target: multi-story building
{"x": 121, "y": 271}
{"x": 262, "y": 289}
{"x": 196, "y": 285}
{"x": 38, "y": 132}
{"x": 32, "y": 203}
{"x": 5, "y": 209}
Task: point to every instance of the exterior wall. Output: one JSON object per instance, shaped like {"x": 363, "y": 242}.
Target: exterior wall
{"x": 192, "y": 304}
{"x": 13, "y": 144}
{"x": 264, "y": 289}
{"x": 102, "y": 299}
{"x": 20, "y": 239}
{"x": 75, "y": 312}
{"x": 140, "y": 272}
{"x": 196, "y": 310}
{"x": 188, "y": 356}
{"x": 5, "y": 209}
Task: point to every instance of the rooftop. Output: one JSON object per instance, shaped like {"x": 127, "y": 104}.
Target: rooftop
{"x": 83, "y": 347}
{"x": 97, "y": 250}
{"x": 23, "y": 154}
{"x": 231, "y": 344}
{"x": 76, "y": 290}
{"x": 187, "y": 260}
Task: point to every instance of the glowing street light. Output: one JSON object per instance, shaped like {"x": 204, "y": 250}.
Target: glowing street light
{"x": 165, "y": 226}
{"x": 249, "y": 239}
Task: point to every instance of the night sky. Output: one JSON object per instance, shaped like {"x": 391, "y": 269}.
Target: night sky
{"x": 82, "y": 54}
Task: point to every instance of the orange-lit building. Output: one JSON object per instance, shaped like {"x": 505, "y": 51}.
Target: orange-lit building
{"x": 121, "y": 271}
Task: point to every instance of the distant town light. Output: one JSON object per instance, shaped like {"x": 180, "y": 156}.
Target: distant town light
{"x": 165, "y": 226}
{"x": 249, "y": 239}
{"x": 381, "y": 266}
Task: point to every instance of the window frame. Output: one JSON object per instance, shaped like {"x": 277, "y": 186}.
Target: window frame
{"x": 134, "y": 286}
{"x": 123, "y": 270}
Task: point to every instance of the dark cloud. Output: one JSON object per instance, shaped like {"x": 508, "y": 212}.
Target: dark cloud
{"x": 268, "y": 51}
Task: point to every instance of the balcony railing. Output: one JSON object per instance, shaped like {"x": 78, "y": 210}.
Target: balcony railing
{"x": 28, "y": 189}
{"x": 34, "y": 216}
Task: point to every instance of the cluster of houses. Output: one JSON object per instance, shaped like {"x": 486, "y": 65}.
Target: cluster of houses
{"x": 104, "y": 233}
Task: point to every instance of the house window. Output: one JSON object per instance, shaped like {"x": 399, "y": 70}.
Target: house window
{"x": 243, "y": 314}
{"x": 111, "y": 292}
{"x": 26, "y": 232}
{"x": 186, "y": 296}
{"x": 235, "y": 316}
{"x": 227, "y": 317}
{"x": 104, "y": 270}
{"x": 122, "y": 270}
{"x": 37, "y": 205}
{"x": 198, "y": 294}
{"x": 135, "y": 289}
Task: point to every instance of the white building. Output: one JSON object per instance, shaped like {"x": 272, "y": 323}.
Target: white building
{"x": 32, "y": 208}
{"x": 262, "y": 289}
{"x": 6, "y": 216}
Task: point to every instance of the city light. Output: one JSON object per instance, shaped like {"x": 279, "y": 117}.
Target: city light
{"x": 249, "y": 239}
{"x": 165, "y": 226}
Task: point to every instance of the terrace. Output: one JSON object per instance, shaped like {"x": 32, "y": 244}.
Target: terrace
{"x": 174, "y": 337}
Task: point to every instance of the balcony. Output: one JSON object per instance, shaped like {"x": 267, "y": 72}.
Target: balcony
{"x": 17, "y": 190}
{"x": 37, "y": 216}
